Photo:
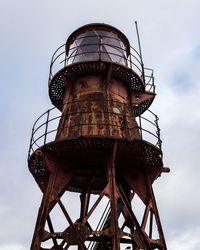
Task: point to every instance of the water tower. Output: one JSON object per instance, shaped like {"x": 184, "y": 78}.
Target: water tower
{"x": 101, "y": 143}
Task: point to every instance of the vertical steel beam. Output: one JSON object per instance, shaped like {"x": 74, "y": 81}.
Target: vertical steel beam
{"x": 113, "y": 199}
{"x": 43, "y": 213}
{"x": 157, "y": 218}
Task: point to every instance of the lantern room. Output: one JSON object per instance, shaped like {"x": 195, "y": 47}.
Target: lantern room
{"x": 97, "y": 42}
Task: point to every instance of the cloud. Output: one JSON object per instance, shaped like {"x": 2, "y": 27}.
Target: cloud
{"x": 184, "y": 241}
{"x": 12, "y": 247}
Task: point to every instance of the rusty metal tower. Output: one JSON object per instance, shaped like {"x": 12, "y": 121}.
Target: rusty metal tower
{"x": 100, "y": 143}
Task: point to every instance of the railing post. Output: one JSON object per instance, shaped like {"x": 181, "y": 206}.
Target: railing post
{"x": 65, "y": 59}
{"x": 46, "y": 128}
{"x": 158, "y": 131}
{"x": 130, "y": 61}
{"x": 31, "y": 140}
{"x": 153, "y": 83}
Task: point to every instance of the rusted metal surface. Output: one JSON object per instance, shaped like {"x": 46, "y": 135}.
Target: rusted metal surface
{"x": 79, "y": 232}
{"x": 87, "y": 158}
{"x": 97, "y": 147}
{"x": 94, "y": 107}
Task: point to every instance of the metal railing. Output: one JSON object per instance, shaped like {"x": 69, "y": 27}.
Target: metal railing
{"x": 94, "y": 52}
{"x": 46, "y": 127}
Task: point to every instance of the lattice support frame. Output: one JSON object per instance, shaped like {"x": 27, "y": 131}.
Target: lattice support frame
{"x": 112, "y": 235}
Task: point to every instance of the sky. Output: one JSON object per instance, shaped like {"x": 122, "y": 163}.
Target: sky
{"x": 169, "y": 31}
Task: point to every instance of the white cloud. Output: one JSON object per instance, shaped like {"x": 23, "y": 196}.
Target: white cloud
{"x": 12, "y": 247}
{"x": 185, "y": 240}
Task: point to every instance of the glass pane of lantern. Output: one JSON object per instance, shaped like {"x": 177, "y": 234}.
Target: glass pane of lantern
{"x": 104, "y": 54}
{"x": 79, "y": 39}
{"x": 97, "y": 44}
{"x": 90, "y": 46}
{"x": 113, "y": 47}
{"x": 103, "y": 33}
{"x": 78, "y": 56}
{"x": 75, "y": 53}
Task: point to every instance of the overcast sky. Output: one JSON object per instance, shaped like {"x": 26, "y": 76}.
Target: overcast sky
{"x": 170, "y": 37}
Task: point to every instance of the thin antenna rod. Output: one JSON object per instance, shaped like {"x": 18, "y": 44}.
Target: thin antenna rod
{"x": 140, "y": 51}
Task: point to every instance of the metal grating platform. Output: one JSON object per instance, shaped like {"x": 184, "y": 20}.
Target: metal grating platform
{"x": 140, "y": 154}
{"x": 57, "y": 84}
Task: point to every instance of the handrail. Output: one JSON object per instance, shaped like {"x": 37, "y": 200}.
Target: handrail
{"x": 62, "y": 58}
{"x": 46, "y": 127}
